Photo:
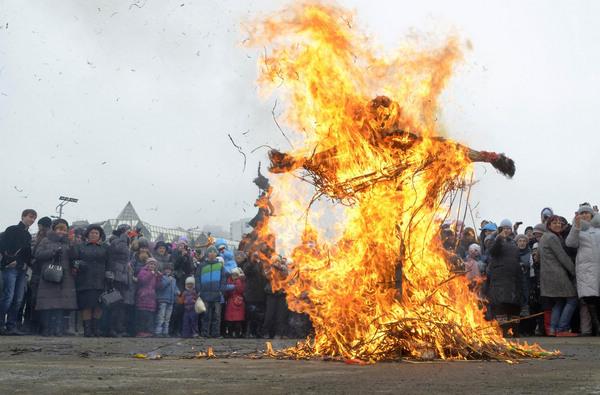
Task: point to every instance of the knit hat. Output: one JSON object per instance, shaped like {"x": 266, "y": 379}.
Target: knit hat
{"x": 46, "y": 222}
{"x": 539, "y": 228}
{"x": 150, "y": 260}
{"x": 237, "y": 270}
{"x": 220, "y": 259}
{"x": 521, "y": 236}
{"x": 190, "y": 280}
{"x": 211, "y": 248}
{"x": 582, "y": 209}
{"x": 169, "y": 266}
{"x": 58, "y": 221}
{"x": 490, "y": 226}
{"x": 506, "y": 222}
{"x": 184, "y": 239}
{"x": 475, "y": 247}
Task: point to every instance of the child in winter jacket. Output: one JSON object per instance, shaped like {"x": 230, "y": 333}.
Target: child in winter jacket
{"x": 188, "y": 300}
{"x": 235, "y": 310}
{"x": 165, "y": 298}
{"x": 145, "y": 303}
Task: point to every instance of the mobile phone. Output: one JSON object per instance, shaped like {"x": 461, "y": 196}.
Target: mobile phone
{"x": 71, "y": 233}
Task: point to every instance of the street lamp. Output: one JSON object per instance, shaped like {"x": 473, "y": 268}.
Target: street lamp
{"x": 65, "y": 200}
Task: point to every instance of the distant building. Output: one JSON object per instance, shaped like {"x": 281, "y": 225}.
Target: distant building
{"x": 157, "y": 233}
{"x": 238, "y": 228}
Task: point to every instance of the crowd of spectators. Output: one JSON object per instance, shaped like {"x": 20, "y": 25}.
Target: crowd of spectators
{"x": 157, "y": 284}
{"x": 544, "y": 281}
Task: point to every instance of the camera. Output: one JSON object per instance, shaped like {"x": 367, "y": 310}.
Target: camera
{"x": 518, "y": 223}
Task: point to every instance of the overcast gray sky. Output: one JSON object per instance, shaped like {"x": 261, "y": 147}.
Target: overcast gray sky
{"x": 115, "y": 101}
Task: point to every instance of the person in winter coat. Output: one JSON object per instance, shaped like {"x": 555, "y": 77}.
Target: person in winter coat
{"x": 188, "y": 301}
{"x": 120, "y": 312}
{"x": 183, "y": 267}
{"x": 276, "y": 311}
{"x": 31, "y": 316}
{"x": 466, "y": 240}
{"x": 585, "y": 236}
{"x": 240, "y": 258}
{"x": 486, "y": 231}
{"x": 145, "y": 302}
{"x": 235, "y": 309}
{"x": 166, "y": 295}
{"x": 183, "y": 262}
{"x": 140, "y": 255}
{"x": 254, "y": 296}
{"x": 161, "y": 255}
{"x": 229, "y": 263}
{"x": 90, "y": 265}
{"x": 15, "y": 249}
{"x": 221, "y": 246}
{"x": 211, "y": 283}
{"x": 525, "y": 262}
{"x": 557, "y": 272}
{"x": 53, "y": 298}
{"x": 505, "y": 277}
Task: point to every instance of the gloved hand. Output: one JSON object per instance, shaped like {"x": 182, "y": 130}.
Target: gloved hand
{"x": 74, "y": 272}
{"x": 110, "y": 276}
{"x": 79, "y": 265}
{"x": 56, "y": 254}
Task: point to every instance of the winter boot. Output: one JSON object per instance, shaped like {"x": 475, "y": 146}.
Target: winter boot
{"x": 87, "y": 328}
{"x": 65, "y": 326}
{"x": 96, "y": 327}
{"x": 547, "y": 315}
{"x": 45, "y": 322}
{"x": 502, "y": 319}
{"x": 57, "y": 324}
{"x": 595, "y": 318}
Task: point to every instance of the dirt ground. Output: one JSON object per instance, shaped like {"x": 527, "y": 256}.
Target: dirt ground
{"x": 66, "y": 365}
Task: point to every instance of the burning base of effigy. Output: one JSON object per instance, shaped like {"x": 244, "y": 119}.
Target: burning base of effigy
{"x": 383, "y": 289}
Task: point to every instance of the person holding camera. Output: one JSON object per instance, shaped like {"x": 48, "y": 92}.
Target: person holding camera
{"x": 585, "y": 236}
{"x": 55, "y": 297}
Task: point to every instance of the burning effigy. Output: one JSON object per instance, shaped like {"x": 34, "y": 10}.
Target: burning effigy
{"x": 364, "y": 134}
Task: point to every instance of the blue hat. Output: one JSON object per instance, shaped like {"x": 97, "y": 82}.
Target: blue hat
{"x": 490, "y": 226}
{"x": 212, "y": 248}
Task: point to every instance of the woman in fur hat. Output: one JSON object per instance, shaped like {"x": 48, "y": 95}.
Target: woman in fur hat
{"x": 92, "y": 270}
{"x": 53, "y": 298}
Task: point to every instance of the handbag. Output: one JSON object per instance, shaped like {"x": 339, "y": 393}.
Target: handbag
{"x": 110, "y": 297}
{"x": 199, "y": 306}
{"x": 52, "y": 273}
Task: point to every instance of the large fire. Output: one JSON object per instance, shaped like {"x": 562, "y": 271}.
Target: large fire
{"x": 363, "y": 126}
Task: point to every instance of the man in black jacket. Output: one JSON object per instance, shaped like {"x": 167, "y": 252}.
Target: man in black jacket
{"x": 15, "y": 248}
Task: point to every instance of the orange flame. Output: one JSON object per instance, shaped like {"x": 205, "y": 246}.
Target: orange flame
{"x": 327, "y": 73}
